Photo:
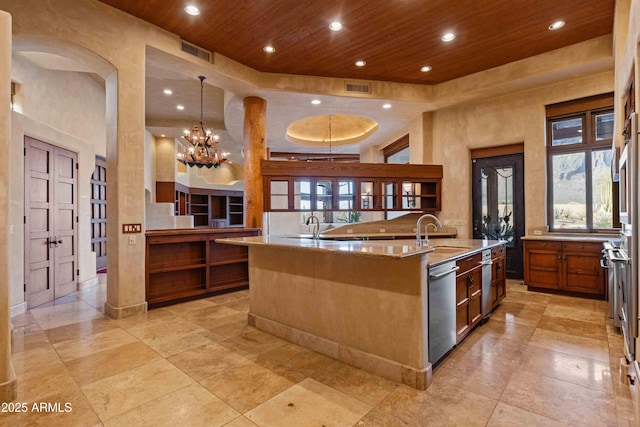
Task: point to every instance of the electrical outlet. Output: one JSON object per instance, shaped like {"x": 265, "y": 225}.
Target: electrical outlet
{"x": 382, "y": 230}
{"x": 132, "y": 240}
{"x": 537, "y": 232}
{"x": 349, "y": 231}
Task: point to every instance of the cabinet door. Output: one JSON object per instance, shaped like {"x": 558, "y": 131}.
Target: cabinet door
{"x": 498, "y": 281}
{"x": 474, "y": 282}
{"x": 583, "y": 273}
{"x": 462, "y": 307}
{"x": 543, "y": 264}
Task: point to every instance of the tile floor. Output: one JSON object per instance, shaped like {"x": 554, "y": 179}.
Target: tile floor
{"x": 540, "y": 360}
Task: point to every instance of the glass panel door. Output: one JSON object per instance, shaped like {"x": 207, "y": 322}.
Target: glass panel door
{"x": 324, "y": 194}
{"x": 302, "y": 194}
{"x": 367, "y": 195}
{"x": 498, "y": 205}
{"x": 389, "y": 195}
{"x": 279, "y": 192}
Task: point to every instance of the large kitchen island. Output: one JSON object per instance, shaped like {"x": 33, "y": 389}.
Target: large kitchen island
{"x": 361, "y": 302}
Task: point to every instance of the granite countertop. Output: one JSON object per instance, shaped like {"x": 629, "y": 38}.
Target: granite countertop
{"x": 439, "y": 250}
{"x": 572, "y": 238}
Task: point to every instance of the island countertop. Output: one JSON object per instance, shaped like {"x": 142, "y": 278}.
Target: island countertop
{"x": 439, "y": 250}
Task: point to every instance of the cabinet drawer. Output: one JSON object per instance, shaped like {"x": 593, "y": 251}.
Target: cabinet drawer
{"x": 468, "y": 263}
{"x": 582, "y": 247}
{"x": 498, "y": 252}
{"x": 543, "y": 244}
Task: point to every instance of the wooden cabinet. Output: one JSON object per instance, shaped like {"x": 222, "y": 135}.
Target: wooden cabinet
{"x": 329, "y": 186}
{"x": 468, "y": 295}
{"x": 210, "y": 208}
{"x": 182, "y": 264}
{"x": 567, "y": 266}
{"x": 498, "y": 275}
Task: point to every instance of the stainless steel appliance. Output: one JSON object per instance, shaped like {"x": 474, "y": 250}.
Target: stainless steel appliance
{"x": 628, "y": 273}
{"x": 613, "y": 261}
{"x": 442, "y": 313}
{"x": 486, "y": 284}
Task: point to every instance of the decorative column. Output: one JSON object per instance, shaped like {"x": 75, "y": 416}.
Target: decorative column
{"x": 7, "y": 375}
{"x": 255, "y": 149}
{"x": 125, "y": 97}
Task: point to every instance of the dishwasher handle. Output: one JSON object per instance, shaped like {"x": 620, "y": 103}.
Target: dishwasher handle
{"x": 437, "y": 276}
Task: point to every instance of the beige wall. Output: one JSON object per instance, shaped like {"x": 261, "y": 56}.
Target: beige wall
{"x": 508, "y": 119}
{"x": 66, "y": 109}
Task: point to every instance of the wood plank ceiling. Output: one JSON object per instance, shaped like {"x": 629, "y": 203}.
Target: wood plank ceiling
{"x": 395, "y": 37}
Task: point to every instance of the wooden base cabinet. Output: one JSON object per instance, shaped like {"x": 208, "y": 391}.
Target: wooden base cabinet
{"x": 183, "y": 264}
{"x": 468, "y": 295}
{"x": 498, "y": 275}
{"x": 567, "y": 266}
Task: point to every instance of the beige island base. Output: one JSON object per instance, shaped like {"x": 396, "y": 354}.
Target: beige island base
{"x": 361, "y": 302}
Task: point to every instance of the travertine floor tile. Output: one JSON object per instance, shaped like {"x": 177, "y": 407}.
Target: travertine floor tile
{"x": 103, "y": 364}
{"x": 560, "y": 400}
{"x": 590, "y": 373}
{"x": 440, "y": 404}
{"x": 509, "y": 416}
{"x": 253, "y": 342}
{"x": 305, "y": 361}
{"x": 368, "y": 388}
{"x": 240, "y": 422}
{"x": 309, "y": 403}
{"x": 540, "y": 360}
{"x": 191, "y": 406}
{"x": 119, "y": 393}
{"x": 80, "y": 330}
{"x": 579, "y": 346}
{"x": 576, "y": 313}
{"x": 204, "y": 361}
{"x": 171, "y": 344}
{"x": 79, "y": 347}
{"x": 246, "y": 386}
{"x": 579, "y": 328}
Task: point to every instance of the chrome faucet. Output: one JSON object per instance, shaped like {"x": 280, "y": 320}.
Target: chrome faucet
{"x": 316, "y": 229}
{"x": 425, "y": 242}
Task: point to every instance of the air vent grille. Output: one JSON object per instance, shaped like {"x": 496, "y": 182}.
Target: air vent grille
{"x": 357, "y": 87}
{"x": 195, "y": 51}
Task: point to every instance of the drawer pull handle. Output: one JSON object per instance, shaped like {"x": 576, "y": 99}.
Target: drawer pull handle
{"x": 542, "y": 245}
{"x": 581, "y": 246}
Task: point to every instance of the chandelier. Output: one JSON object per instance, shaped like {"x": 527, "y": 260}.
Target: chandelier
{"x": 202, "y": 150}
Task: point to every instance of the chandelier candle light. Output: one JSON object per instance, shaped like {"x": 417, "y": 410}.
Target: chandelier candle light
{"x": 203, "y": 151}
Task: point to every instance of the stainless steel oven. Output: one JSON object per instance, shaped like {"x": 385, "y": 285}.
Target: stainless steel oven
{"x": 613, "y": 262}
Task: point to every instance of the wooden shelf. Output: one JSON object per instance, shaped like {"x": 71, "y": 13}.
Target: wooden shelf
{"x": 188, "y": 263}
{"x": 210, "y": 208}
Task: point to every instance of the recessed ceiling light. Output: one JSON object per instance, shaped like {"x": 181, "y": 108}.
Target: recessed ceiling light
{"x": 192, "y": 10}
{"x": 163, "y": 135}
{"x": 335, "y": 26}
{"x": 269, "y": 49}
{"x": 180, "y": 107}
{"x": 168, "y": 92}
{"x": 316, "y": 102}
{"x": 556, "y": 25}
{"x": 386, "y": 106}
{"x": 186, "y": 131}
{"x": 360, "y": 63}
{"x": 425, "y": 69}
{"x": 447, "y": 37}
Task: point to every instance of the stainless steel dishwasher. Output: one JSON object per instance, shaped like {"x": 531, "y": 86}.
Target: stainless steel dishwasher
{"x": 442, "y": 309}
{"x": 486, "y": 284}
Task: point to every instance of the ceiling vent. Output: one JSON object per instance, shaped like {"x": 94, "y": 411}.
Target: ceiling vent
{"x": 195, "y": 51}
{"x": 357, "y": 87}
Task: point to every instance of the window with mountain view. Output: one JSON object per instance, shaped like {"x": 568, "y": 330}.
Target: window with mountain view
{"x": 579, "y": 183}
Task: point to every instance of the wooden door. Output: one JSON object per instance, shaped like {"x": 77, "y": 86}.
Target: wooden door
{"x": 50, "y": 222}
{"x": 498, "y": 205}
{"x": 99, "y": 213}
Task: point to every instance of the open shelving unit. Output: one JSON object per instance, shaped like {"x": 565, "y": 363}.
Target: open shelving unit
{"x": 210, "y": 208}
{"x": 186, "y": 264}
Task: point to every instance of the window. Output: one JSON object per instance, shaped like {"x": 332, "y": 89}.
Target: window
{"x": 579, "y": 184}
{"x": 397, "y": 152}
